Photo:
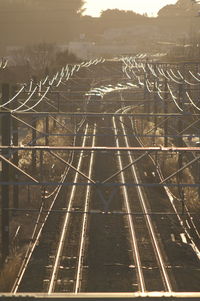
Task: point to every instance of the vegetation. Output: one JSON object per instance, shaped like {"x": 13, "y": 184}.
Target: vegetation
{"x": 36, "y": 61}
{"x": 182, "y": 8}
{"x": 25, "y": 22}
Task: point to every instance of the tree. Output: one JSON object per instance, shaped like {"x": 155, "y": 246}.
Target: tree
{"x": 181, "y": 9}
{"x": 117, "y": 14}
{"x": 120, "y": 18}
{"x": 169, "y": 11}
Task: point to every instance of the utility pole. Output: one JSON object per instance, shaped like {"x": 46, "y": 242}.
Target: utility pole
{"x": 6, "y": 139}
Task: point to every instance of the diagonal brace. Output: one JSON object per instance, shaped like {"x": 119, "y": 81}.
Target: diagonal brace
{"x": 191, "y": 125}
{"x": 160, "y": 123}
{"x": 179, "y": 170}
{"x": 19, "y": 169}
{"x": 28, "y": 125}
{"x": 126, "y": 167}
{"x": 72, "y": 167}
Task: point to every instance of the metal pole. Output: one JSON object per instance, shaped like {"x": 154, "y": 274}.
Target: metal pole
{"x": 180, "y": 120}
{"x": 15, "y": 159}
{"x": 180, "y": 154}
{"x": 41, "y": 166}
{"x": 165, "y": 111}
{"x": 146, "y": 92}
{"x": 34, "y": 137}
{"x": 155, "y": 111}
{"x": 6, "y": 139}
{"x": 47, "y": 131}
{"x": 16, "y": 162}
{"x": 58, "y": 99}
{"x": 199, "y": 178}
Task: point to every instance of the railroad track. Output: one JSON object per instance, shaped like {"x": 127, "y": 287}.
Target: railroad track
{"x": 100, "y": 238}
{"x": 152, "y": 275}
{"x": 175, "y": 229}
{"x": 38, "y": 259}
{"x": 66, "y": 270}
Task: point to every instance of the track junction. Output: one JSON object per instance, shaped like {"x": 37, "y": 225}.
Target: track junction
{"x": 117, "y": 218}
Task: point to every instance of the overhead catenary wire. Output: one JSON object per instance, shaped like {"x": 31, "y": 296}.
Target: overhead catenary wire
{"x": 3, "y": 63}
{"x": 185, "y": 80}
{"x": 177, "y": 77}
{"x": 35, "y": 239}
{"x": 172, "y": 78}
{"x": 148, "y": 80}
{"x": 27, "y": 100}
{"x": 192, "y": 102}
{"x": 168, "y": 73}
{"x": 174, "y": 98}
{"x": 198, "y": 79}
{"x": 152, "y": 70}
{"x": 38, "y": 86}
{"x": 38, "y": 102}
{"x": 13, "y": 98}
{"x": 148, "y": 84}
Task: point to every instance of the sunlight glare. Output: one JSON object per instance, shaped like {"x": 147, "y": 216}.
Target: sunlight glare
{"x": 94, "y": 7}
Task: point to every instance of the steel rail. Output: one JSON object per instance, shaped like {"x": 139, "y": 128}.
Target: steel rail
{"x": 37, "y": 231}
{"x": 157, "y": 166}
{"x": 72, "y": 72}
{"x": 179, "y": 216}
{"x": 158, "y": 253}
{"x": 65, "y": 225}
{"x": 35, "y": 238}
{"x": 84, "y": 223}
{"x": 135, "y": 252}
{"x": 72, "y": 167}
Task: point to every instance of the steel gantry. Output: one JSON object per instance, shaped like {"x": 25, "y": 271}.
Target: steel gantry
{"x": 155, "y": 127}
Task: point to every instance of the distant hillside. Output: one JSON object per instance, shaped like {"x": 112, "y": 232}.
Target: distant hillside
{"x": 26, "y": 22}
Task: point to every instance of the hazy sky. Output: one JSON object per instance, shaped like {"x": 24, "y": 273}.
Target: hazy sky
{"x": 151, "y": 7}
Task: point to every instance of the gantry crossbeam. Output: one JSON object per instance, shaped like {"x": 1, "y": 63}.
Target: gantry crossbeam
{"x": 154, "y": 296}
{"x": 102, "y": 148}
